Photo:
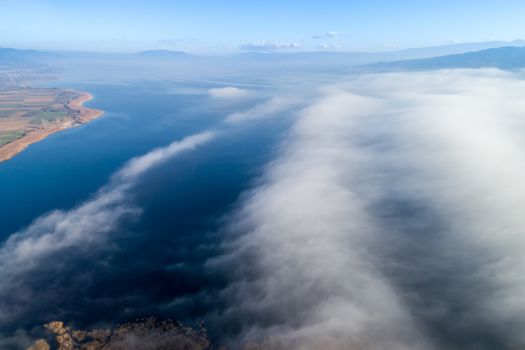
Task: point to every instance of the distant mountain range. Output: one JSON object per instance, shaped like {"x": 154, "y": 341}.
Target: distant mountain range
{"x": 164, "y": 54}
{"x": 360, "y": 58}
{"x": 13, "y": 58}
{"x": 502, "y": 57}
{"x": 499, "y": 54}
{"x": 452, "y": 49}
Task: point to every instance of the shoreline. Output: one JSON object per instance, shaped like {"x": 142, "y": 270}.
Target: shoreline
{"x": 76, "y": 106}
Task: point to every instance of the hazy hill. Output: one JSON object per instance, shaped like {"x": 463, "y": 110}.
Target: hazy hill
{"x": 503, "y": 57}
{"x": 164, "y": 54}
{"x": 359, "y": 58}
{"x": 455, "y": 55}
{"x": 453, "y": 49}
{"x": 13, "y": 58}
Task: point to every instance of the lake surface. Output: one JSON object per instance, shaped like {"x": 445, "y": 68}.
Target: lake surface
{"x": 152, "y": 265}
{"x": 160, "y": 262}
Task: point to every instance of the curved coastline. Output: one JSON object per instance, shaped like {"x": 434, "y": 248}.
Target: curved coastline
{"x": 81, "y": 115}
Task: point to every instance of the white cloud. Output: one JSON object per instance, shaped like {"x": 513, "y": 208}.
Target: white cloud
{"x": 83, "y": 226}
{"x": 327, "y": 35}
{"x": 228, "y": 92}
{"x": 269, "y": 46}
{"x": 137, "y": 166}
{"x": 395, "y": 207}
{"x": 86, "y": 223}
{"x": 268, "y": 109}
{"x": 330, "y": 47}
{"x": 458, "y": 138}
{"x": 305, "y": 233}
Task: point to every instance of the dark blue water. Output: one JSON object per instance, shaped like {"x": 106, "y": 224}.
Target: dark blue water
{"x": 153, "y": 266}
{"x": 63, "y": 169}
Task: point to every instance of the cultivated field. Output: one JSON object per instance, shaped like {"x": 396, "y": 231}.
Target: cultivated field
{"x": 28, "y": 115}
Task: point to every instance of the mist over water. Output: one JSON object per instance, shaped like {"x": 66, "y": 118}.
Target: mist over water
{"x": 311, "y": 281}
{"x": 173, "y": 205}
{"x": 377, "y": 211}
{"x": 390, "y": 220}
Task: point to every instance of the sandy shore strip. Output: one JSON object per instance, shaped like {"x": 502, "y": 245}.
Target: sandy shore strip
{"x": 81, "y": 115}
{"x": 86, "y": 114}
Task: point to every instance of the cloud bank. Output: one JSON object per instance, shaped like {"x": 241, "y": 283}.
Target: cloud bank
{"x": 265, "y": 110}
{"x": 391, "y": 220}
{"x": 228, "y": 92}
{"x": 457, "y": 136}
{"x": 304, "y": 276}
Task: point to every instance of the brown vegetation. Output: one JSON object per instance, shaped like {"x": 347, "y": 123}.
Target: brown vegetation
{"x": 147, "y": 334}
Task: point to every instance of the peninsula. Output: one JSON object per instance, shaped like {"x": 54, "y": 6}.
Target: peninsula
{"x": 28, "y": 115}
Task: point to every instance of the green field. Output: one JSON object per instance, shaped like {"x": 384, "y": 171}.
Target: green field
{"x": 27, "y": 109}
{"x": 4, "y": 114}
{"x": 8, "y": 136}
{"x": 11, "y": 105}
{"x": 48, "y": 116}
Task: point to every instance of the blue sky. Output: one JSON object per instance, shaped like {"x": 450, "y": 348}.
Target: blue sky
{"x": 230, "y": 25}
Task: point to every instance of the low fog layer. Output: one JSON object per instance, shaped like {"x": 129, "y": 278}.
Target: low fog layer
{"x": 305, "y": 274}
{"x": 390, "y": 218}
{"x": 52, "y": 239}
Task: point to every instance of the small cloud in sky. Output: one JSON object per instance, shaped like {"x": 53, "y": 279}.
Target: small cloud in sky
{"x": 329, "y": 47}
{"x": 269, "y": 46}
{"x": 229, "y": 92}
{"x": 327, "y": 35}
